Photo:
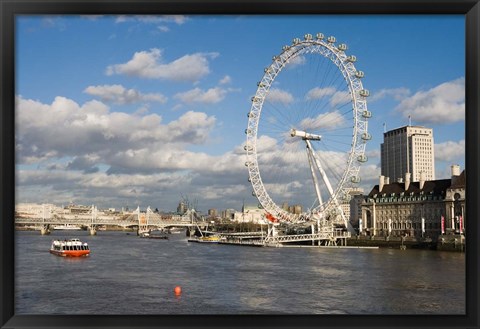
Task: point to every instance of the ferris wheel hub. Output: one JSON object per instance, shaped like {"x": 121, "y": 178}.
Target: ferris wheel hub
{"x": 304, "y": 135}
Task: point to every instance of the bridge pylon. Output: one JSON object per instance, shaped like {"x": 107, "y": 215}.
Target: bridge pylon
{"x": 143, "y": 220}
{"x": 93, "y": 227}
{"x": 46, "y": 215}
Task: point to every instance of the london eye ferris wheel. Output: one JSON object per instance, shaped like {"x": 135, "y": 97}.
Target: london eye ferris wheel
{"x": 307, "y": 131}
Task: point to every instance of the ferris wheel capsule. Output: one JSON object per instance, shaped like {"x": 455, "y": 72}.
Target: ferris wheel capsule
{"x": 342, "y": 47}
{"x": 355, "y": 179}
{"x": 367, "y": 114}
{"x": 296, "y": 41}
{"x": 364, "y": 93}
{"x": 331, "y": 39}
{"x": 359, "y": 74}
{"x": 320, "y": 36}
{"x": 366, "y": 136}
{"x": 308, "y": 37}
{"x": 351, "y": 59}
{"x": 362, "y": 158}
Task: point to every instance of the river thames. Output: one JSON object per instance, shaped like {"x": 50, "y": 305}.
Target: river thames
{"x": 129, "y": 275}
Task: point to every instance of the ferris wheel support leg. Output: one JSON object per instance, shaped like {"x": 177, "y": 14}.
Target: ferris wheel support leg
{"x": 320, "y": 168}
{"x": 314, "y": 176}
{"x": 329, "y": 186}
{"x": 313, "y": 232}
{"x": 347, "y": 222}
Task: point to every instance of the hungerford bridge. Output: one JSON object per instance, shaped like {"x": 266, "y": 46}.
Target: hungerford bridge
{"x": 45, "y": 219}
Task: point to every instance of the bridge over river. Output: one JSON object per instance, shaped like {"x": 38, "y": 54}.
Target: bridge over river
{"x": 46, "y": 218}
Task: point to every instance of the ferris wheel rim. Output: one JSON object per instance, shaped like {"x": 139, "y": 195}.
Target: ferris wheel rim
{"x": 358, "y": 94}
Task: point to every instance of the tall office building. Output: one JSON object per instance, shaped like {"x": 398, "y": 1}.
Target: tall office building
{"x": 408, "y": 149}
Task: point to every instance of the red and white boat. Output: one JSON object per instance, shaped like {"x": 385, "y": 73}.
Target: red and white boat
{"x": 70, "y": 248}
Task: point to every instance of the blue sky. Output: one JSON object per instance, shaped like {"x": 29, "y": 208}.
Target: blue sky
{"x": 131, "y": 110}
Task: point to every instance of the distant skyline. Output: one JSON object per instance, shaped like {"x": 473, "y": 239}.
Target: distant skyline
{"x": 134, "y": 111}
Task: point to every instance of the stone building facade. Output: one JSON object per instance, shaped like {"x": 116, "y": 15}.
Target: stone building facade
{"x": 251, "y": 214}
{"x": 417, "y": 209}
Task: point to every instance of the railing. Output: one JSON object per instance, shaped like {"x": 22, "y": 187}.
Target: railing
{"x": 87, "y": 221}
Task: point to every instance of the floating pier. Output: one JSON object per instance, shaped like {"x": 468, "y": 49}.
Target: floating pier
{"x": 271, "y": 239}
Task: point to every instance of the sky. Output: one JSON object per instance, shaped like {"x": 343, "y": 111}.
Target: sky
{"x": 127, "y": 111}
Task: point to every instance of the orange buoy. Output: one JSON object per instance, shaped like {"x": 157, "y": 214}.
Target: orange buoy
{"x": 177, "y": 290}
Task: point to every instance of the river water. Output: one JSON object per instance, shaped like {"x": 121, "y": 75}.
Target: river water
{"x": 128, "y": 275}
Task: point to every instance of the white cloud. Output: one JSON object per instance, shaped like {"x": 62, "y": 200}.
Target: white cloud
{"x": 340, "y": 98}
{"x": 56, "y": 22}
{"x": 296, "y": 61}
{"x": 444, "y": 103}
{"x": 64, "y": 128}
{"x": 317, "y": 93}
{"x": 397, "y": 94}
{"x": 149, "y": 64}
{"x": 375, "y": 153}
{"x": 211, "y": 96}
{"x": 276, "y": 95}
{"x": 336, "y": 97}
{"x": 151, "y": 19}
{"x": 369, "y": 175}
{"x": 450, "y": 151}
{"x": 226, "y": 80}
{"x": 92, "y": 17}
{"x": 266, "y": 144}
{"x": 191, "y": 127}
{"x": 120, "y": 95}
{"x": 327, "y": 121}
{"x": 163, "y": 28}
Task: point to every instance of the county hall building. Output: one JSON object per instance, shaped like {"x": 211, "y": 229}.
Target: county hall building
{"x": 427, "y": 208}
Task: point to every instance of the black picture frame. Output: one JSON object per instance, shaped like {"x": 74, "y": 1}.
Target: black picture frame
{"x": 10, "y": 8}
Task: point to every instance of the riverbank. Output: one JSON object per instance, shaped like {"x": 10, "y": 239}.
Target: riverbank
{"x": 444, "y": 242}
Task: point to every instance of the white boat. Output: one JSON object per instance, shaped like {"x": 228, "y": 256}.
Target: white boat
{"x": 176, "y": 230}
{"x": 70, "y": 248}
{"x": 147, "y": 235}
{"x": 206, "y": 239}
